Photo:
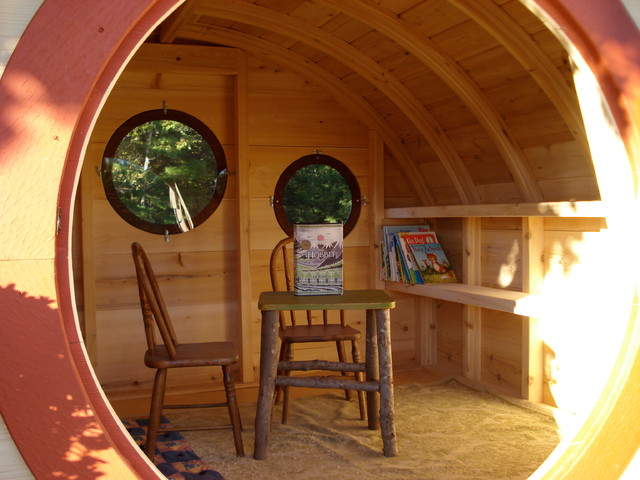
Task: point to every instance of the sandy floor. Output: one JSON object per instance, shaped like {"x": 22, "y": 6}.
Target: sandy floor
{"x": 444, "y": 430}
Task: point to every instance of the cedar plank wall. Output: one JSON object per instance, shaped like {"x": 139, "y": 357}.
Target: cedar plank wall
{"x": 288, "y": 117}
{"x": 570, "y": 256}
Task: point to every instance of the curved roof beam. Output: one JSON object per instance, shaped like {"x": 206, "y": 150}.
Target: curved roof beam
{"x": 415, "y": 42}
{"x": 170, "y": 27}
{"x": 383, "y": 80}
{"x": 343, "y": 94}
{"x": 526, "y": 51}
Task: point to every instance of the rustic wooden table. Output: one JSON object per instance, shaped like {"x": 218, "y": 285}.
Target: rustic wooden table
{"x": 377, "y": 366}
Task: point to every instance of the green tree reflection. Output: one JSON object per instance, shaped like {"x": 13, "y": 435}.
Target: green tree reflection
{"x": 317, "y": 193}
{"x": 158, "y": 156}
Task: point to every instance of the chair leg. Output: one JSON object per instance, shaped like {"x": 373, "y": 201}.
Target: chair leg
{"x": 155, "y": 412}
{"x": 355, "y": 354}
{"x": 234, "y": 412}
{"x": 342, "y": 359}
{"x": 285, "y": 390}
{"x": 280, "y": 390}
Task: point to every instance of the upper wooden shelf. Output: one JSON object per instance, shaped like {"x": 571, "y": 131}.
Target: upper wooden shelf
{"x": 520, "y": 303}
{"x": 593, "y": 209}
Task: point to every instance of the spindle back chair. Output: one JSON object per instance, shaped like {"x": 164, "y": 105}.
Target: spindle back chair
{"x": 170, "y": 353}
{"x": 292, "y": 330}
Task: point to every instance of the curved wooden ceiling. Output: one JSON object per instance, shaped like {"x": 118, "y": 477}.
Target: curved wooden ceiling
{"x": 474, "y": 99}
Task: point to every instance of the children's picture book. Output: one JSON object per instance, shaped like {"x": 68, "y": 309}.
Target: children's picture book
{"x": 404, "y": 262}
{"x": 410, "y": 273}
{"x": 413, "y": 254}
{"x": 410, "y": 238}
{"x": 432, "y": 262}
{"x": 405, "y": 239}
{"x": 394, "y": 270}
{"x": 317, "y": 259}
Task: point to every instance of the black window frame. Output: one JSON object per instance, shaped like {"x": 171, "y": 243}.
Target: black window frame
{"x": 163, "y": 114}
{"x": 317, "y": 158}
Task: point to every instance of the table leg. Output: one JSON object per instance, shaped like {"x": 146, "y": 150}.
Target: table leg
{"x": 387, "y": 410}
{"x": 268, "y": 370}
{"x": 371, "y": 370}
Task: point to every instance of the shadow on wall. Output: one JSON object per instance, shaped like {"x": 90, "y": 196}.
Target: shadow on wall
{"x": 581, "y": 308}
{"x": 69, "y": 428}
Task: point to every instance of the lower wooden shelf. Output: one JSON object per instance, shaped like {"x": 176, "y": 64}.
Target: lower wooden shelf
{"x": 520, "y": 303}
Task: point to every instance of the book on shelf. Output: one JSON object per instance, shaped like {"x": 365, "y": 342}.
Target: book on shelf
{"x": 405, "y": 240}
{"x": 410, "y": 270}
{"x": 415, "y": 256}
{"x": 392, "y": 260}
{"x": 432, "y": 263}
{"x": 317, "y": 259}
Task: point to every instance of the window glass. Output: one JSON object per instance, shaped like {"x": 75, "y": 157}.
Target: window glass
{"x": 317, "y": 189}
{"x": 164, "y": 171}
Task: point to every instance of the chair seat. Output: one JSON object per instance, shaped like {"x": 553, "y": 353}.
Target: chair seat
{"x": 193, "y": 355}
{"x": 318, "y": 333}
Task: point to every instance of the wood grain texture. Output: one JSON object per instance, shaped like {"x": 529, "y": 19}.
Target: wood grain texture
{"x": 29, "y": 109}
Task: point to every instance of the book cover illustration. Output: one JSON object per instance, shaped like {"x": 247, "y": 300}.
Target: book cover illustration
{"x": 410, "y": 272}
{"x": 393, "y": 260}
{"x": 317, "y": 259}
{"x": 411, "y": 238}
{"x": 432, "y": 263}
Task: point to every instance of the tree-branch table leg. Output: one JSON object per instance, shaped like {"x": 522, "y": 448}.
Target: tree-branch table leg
{"x": 268, "y": 370}
{"x": 372, "y": 375}
{"x": 387, "y": 410}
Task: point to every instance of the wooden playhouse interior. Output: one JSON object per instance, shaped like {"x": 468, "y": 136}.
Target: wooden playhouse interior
{"x": 459, "y": 114}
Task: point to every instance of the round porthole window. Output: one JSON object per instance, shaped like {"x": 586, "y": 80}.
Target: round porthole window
{"x": 317, "y": 189}
{"x": 164, "y": 171}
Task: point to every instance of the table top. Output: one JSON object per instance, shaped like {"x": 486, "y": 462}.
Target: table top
{"x": 348, "y": 300}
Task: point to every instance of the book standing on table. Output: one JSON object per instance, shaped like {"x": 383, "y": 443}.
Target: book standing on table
{"x": 317, "y": 256}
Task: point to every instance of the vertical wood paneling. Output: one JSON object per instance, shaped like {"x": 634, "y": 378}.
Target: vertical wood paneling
{"x": 198, "y": 271}
{"x": 244, "y": 257}
{"x": 532, "y": 343}
{"x": 450, "y": 337}
{"x": 501, "y": 351}
{"x": 472, "y": 317}
{"x": 427, "y": 338}
{"x": 87, "y": 251}
{"x": 375, "y": 200}
{"x": 213, "y": 275}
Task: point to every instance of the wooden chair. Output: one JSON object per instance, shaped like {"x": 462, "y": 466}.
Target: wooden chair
{"x": 292, "y": 332}
{"x": 172, "y": 354}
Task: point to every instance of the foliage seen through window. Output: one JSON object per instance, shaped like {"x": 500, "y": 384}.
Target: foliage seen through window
{"x": 164, "y": 171}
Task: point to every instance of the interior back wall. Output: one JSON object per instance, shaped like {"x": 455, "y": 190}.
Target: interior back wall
{"x": 252, "y": 106}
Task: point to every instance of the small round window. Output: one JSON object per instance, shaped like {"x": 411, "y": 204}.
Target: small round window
{"x": 164, "y": 171}
{"x": 317, "y": 189}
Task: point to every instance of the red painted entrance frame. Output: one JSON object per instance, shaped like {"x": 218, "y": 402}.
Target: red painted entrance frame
{"x": 51, "y": 93}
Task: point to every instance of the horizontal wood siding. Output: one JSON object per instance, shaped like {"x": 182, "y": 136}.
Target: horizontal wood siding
{"x": 288, "y": 117}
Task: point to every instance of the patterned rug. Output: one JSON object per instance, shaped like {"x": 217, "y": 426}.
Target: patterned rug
{"x": 174, "y": 457}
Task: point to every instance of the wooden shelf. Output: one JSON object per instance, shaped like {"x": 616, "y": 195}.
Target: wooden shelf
{"x": 530, "y": 307}
{"x": 587, "y": 209}
{"x": 520, "y": 303}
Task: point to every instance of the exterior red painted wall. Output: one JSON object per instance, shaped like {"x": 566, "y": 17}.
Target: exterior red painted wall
{"x": 50, "y": 94}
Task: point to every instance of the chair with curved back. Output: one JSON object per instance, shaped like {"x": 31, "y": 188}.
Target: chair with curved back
{"x": 172, "y": 354}
{"x": 292, "y": 332}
